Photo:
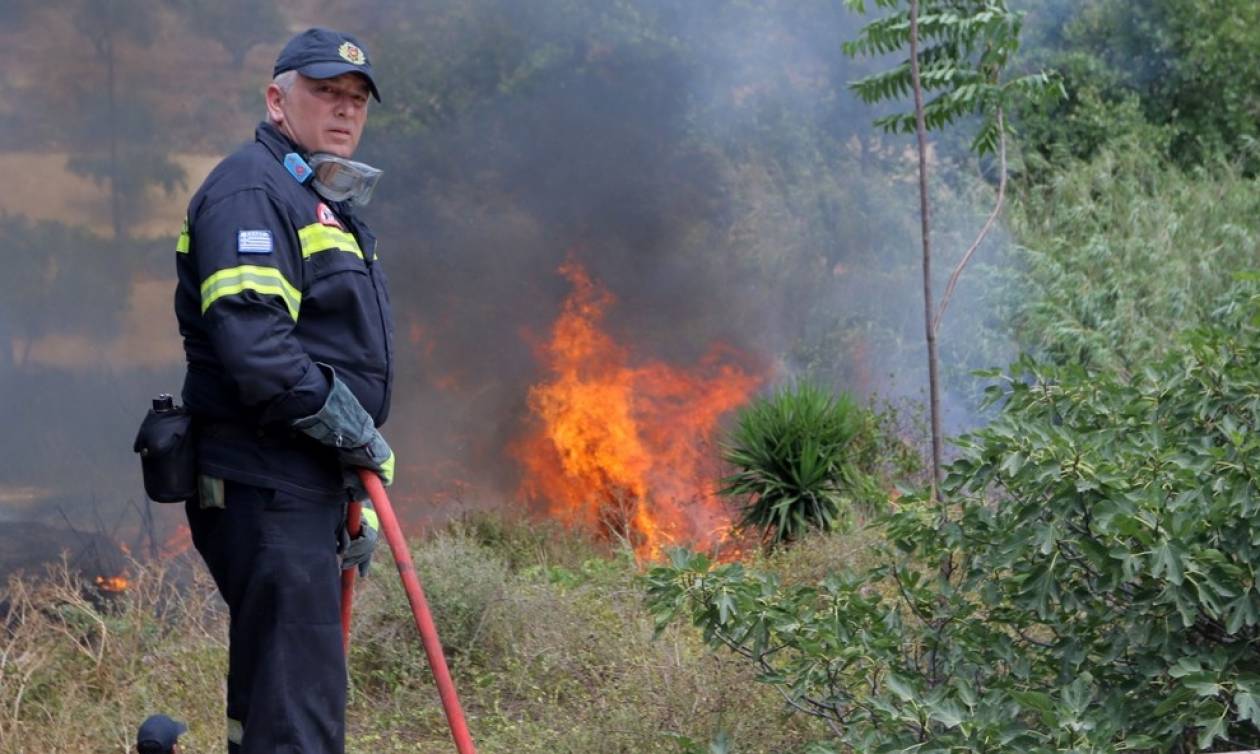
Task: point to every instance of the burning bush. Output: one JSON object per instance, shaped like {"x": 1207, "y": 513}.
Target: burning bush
{"x": 623, "y": 446}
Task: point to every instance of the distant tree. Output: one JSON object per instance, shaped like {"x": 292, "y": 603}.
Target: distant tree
{"x": 1192, "y": 68}
{"x": 58, "y": 278}
{"x": 238, "y": 25}
{"x": 116, "y": 141}
{"x": 960, "y": 51}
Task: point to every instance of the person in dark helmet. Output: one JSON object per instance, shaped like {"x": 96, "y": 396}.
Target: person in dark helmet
{"x": 287, "y": 333}
{"x": 159, "y": 734}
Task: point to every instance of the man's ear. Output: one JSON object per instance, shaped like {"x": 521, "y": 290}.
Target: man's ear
{"x": 274, "y": 96}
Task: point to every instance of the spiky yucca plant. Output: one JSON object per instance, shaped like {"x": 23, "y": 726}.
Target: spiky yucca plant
{"x": 795, "y": 457}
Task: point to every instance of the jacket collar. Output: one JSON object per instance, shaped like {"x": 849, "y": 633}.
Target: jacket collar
{"x": 277, "y": 143}
{"x": 280, "y": 145}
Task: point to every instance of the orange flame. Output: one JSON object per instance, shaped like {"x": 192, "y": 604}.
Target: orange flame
{"x": 113, "y": 584}
{"x": 622, "y": 449}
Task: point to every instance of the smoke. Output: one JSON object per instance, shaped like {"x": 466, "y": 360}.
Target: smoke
{"x": 704, "y": 162}
{"x": 711, "y": 170}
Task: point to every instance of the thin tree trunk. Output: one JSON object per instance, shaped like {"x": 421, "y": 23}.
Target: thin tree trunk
{"x": 920, "y": 128}
{"x": 115, "y": 198}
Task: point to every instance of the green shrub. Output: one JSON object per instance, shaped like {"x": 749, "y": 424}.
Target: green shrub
{"x": 1123, "y": 254}
{"x": 799, "y": 461}
{"x": 1100, "y": 592}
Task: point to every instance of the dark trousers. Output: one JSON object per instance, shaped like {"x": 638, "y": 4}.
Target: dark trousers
{"x": 274, "y": 558}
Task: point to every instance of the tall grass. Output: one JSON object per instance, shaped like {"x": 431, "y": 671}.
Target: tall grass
{"x": 1125, "y": 251}
{"x": 545, "y": 633}
{"x": 79, "y": 669}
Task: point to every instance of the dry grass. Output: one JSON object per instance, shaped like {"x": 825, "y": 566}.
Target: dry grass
{"x": 79, "y": 668}
{"x": 546, "y": 636}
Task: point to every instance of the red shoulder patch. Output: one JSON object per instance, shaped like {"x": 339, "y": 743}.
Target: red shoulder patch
{"x": 326, "y": 216}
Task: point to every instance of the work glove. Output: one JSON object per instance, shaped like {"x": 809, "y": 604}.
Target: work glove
{"x": 344, "y": 424}
{"x": 375, "y": 455}
{"x": 358, "y": 551}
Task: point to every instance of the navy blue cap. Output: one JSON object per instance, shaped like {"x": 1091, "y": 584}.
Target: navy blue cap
{"x": 323, "y": 54}
{"x": 158, "y": 734}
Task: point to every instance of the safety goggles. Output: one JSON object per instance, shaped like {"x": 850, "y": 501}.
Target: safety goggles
{"x": 338, "y": 179}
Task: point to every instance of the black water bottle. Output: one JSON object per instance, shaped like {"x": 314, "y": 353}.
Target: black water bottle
{"x": 163, "y": 403}
{"x": 168, "y": 453}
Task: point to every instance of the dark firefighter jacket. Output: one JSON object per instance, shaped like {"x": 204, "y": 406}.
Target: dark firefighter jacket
{"x": 273, "y": 279}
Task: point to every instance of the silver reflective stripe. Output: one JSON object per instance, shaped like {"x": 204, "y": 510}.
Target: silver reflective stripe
{"x": 236, "y": 732}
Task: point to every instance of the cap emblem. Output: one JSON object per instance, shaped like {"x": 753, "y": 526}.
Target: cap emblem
{"x": 351, "y": 53}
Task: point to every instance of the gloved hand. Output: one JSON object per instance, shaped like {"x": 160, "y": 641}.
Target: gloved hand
{"x": 375, "y": 455}
{"x": 358, "y": 551}
{"x": 342, "y": 423}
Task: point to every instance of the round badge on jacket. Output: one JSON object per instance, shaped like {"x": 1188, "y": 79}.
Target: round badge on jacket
{"x": 326, "y": 216}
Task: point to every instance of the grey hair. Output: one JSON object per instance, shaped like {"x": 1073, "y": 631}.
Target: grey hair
{"x": 284, "y": 81}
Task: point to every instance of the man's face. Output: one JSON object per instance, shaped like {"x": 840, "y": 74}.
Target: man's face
{"x": 322, "y": 115}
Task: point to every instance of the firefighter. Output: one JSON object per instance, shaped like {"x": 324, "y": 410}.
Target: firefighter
{"x": 286, "y": 325}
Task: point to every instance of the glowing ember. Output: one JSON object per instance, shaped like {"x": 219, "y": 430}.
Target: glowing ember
{"x": 627, "y": 450}
{"x": 112, "y": 583}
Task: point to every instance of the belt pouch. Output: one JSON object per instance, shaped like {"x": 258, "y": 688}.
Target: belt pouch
{"x": 168, "y": 455}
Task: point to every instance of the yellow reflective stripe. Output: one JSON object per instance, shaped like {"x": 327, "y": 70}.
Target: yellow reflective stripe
{"x": 181, "y": 245}
{"x": 387, "y": 469}
{"x": 370, "y": 518}
{"x": 248, "y": 277}
{"x": 318, "y": 237}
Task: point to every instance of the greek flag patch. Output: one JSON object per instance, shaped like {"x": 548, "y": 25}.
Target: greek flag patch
{"x": 253, "y": 241}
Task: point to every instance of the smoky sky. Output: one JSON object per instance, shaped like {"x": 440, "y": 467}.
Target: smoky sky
{"x": 704, "y": 161}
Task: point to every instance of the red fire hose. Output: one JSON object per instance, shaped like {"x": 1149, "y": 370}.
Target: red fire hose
{"x": 415, "y": 595}
{"x": 354, "y": 516}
